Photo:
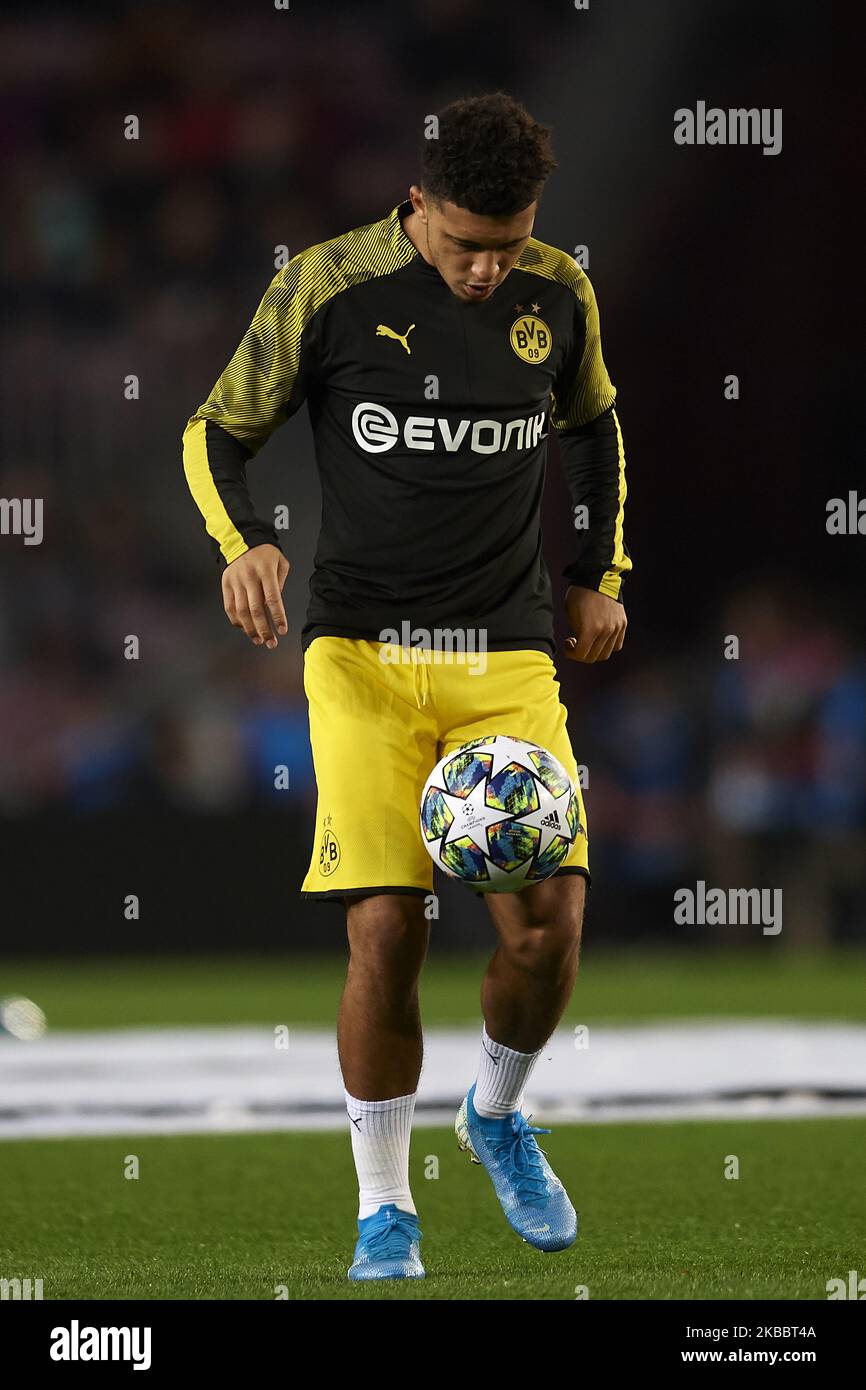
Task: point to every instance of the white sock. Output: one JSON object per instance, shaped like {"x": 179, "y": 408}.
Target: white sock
{"x": 380, "y": 1143}
{"x": 502, "y": 1075}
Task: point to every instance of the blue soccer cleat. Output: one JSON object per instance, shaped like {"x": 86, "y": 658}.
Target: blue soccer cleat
{"x": 388, "y": 1246}
{"x": 535, "y": 1202}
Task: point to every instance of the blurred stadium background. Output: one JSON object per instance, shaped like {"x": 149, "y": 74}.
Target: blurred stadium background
{"x": 155, "y": 777}
{"x": 149, "y": 256}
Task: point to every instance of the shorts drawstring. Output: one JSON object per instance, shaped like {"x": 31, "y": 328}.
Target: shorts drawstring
{"x": 420, "y": 675}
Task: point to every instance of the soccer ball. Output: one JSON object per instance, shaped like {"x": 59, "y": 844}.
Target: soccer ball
{"x": 21, "y": 1019}
{"x": 499, "y": 813}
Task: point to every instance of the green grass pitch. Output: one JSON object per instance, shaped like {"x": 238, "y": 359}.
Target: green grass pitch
{"x": 612, "y": 987}
{"x": 239, "y": 1216}
{"x": 243, "y": 1216}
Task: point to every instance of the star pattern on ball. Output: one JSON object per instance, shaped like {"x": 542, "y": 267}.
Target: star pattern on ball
{"x": 472, "y": 817}
{"x": 505, "y": 751}
{"x": 551, "y": 817}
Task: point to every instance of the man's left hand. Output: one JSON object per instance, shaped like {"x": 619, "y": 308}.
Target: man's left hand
{"x": 598, "y": 624}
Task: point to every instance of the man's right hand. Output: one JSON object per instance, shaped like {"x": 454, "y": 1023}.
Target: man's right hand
{"x": 252, "y": 589}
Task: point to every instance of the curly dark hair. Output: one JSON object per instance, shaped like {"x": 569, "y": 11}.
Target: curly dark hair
{"x": 491, "y": 157}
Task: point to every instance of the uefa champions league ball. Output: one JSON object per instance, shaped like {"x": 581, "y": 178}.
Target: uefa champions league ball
{"x": 499, "y": 813}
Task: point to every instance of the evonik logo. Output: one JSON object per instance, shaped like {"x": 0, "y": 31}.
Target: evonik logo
{"x": 376, "y": 429}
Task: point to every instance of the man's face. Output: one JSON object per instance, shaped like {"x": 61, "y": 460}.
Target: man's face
{"x": 473, "y": 254}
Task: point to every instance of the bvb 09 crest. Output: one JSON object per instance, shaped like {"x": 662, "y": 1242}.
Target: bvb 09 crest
{"x": 329, "y": 852}
{"x": 531, "y": 338}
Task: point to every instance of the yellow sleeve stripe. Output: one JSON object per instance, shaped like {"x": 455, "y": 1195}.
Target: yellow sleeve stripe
{"x": 621, "y": 563}
{"x": 217, "y": 521}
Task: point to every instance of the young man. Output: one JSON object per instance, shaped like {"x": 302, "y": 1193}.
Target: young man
{"x": 431, "y": 347}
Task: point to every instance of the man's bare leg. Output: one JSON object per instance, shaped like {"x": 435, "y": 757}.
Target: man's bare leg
{"x": 380, "y": 1043}
{"x": 526, "y": 988}
{"x": 528, "y": 984}
{"x": 379, "y": 1023}
{"x": 531, "y": 975}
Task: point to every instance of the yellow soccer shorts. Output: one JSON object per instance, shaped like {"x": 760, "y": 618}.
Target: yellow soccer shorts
{"x": 378, "y": 728}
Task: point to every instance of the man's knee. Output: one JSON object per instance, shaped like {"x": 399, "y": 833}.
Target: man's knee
{"x": 541, "y": 927}
{"x": 543, "y": 951}
{"x": 388, "y": 934}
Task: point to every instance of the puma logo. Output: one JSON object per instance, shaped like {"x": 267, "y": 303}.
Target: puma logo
{"x": 383, "y": 331}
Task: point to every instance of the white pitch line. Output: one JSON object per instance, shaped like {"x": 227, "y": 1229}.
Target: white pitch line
{"x": 234, "y": 1079}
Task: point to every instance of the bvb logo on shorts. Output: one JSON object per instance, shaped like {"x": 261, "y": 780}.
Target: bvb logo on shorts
{"x": 531, "y": 338}
{"x": 329, "y": 853}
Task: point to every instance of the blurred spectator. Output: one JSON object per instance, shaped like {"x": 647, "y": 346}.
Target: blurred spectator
{"x": 144, "y": 259}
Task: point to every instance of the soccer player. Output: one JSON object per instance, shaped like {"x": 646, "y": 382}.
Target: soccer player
{"x": 432, "y": 348}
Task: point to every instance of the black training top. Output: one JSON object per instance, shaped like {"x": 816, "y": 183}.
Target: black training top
{"x": 430, "y": 417}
